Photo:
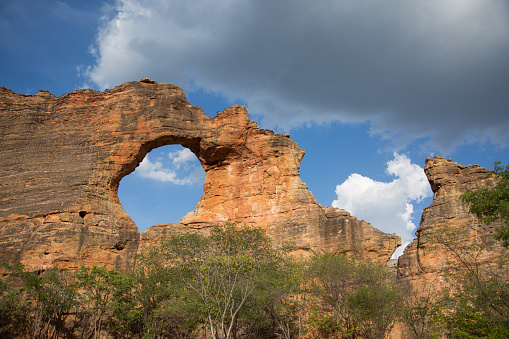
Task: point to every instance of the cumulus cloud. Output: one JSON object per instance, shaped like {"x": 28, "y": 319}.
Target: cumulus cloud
{"x": 157, "y": 171}
{"x": 388, "y": 206}
{"x": 430, "y": 69}
{"x": 181, "y": 157}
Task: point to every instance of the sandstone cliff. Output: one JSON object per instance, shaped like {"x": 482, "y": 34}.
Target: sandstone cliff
{"x": 446, "y": 220}
{"x": 63, "y": 159}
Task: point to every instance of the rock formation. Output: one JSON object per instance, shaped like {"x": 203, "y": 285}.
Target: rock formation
{"x": 446, "y": 220}
{"x": 63, "y": 159}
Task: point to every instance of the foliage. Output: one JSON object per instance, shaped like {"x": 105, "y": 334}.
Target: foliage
{"x": 154, "y": 307}
{"x": 375, "y": 309}
{"x": 492, "y": 204}
{"x": 418, "y": 312}
{"x": 235, "y": 283}
{"x": 9, "y": 313}
{"x": 228, "y": 276}
{"x": 354, "y": 297}
{"x": 277, "y": 310}
{"x": 101, "y": 290}
{"x": 475, "y": 303}
{"x": 44, "y": 301}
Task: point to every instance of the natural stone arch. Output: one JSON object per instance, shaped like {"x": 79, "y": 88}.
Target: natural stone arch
{"x": 162, "y": 194}
{"x": 127, "y": 168}
{"x": 63, "y": 175}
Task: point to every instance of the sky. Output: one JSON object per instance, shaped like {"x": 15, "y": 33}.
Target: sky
{"x": 368, "y": 88}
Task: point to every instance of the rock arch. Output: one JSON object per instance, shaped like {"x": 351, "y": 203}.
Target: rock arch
{"x": 164, "y": 187}
{"x": 64, "y": 157}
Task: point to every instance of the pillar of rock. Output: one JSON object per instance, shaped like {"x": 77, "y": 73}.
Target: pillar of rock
{"x": 446, "y": 219}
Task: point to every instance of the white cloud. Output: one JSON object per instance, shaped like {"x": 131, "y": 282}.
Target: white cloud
{"x": 388, "y": 206}
{"x": 156, "y": 171}
{"x": 434, "y": 69}
{"x": 181, "y": 157}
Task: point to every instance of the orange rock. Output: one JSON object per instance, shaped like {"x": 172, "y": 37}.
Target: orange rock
{"x": 422, "y": 262}
{"x": 63, "y": 159}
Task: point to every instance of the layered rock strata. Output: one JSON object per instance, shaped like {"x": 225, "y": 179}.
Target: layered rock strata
{"x": 63, "y": 158}
{"x": 447, "y": 223}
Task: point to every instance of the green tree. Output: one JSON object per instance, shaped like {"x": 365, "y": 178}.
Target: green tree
{"x": 490, "y": 204}
{"x": 43, "y": 301}
{"x": 224, "y": 273}
{"x": 153, "y": 307}
{"x": 104, "y": 294}
{"x": 375, "y": 307}
{"x": 476, "y": 308}
{"x": 332, "y": 281}
{"x": 353, "y": 297}
{"x": 276, "y": 309}
{"x": 419, "y": 310}
{"x": 475, "y": 303}
{"x": 9, "y": 313}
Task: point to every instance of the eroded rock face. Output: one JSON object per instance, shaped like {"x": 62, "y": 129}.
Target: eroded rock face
{"x": 63, "y": 158}
{"x": 422, "y": 262}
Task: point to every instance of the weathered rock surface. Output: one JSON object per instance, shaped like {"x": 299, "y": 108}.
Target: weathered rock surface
{"x": 422, "y": 261}
{"x": 62, "y": 160}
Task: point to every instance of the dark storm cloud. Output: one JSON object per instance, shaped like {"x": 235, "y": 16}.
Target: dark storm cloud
{"x": 432, "y": 69}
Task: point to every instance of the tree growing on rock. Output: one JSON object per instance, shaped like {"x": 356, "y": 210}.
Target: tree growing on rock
{"x": 475, "y": 301}
{"x": 490, "y": 204}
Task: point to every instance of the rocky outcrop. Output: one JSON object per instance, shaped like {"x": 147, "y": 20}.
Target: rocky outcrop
{"x": 446, "y": 222}
{"x": 63, "y": 159}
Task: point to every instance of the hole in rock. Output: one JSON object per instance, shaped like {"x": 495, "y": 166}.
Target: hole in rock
{"x": 166, "y": 185}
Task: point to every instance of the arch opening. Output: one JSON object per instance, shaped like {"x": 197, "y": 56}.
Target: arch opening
{"x": 166, "y": 185}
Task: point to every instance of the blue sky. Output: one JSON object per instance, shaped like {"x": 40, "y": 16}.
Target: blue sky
{"x": 368, "y": 88}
